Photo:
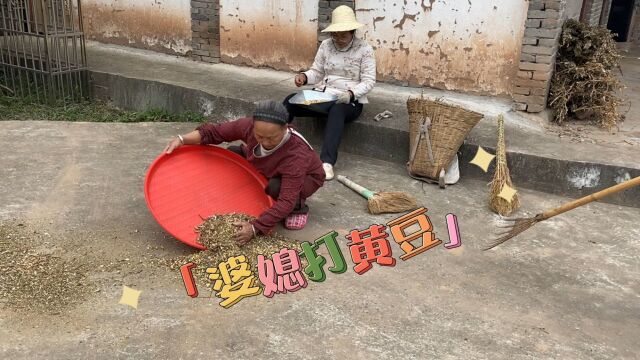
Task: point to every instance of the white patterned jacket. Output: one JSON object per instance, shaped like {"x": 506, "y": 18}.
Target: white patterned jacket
{"x": 339, "y": 71}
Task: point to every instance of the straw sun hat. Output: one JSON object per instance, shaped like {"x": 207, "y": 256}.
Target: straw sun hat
{"x": 343, "y": 19}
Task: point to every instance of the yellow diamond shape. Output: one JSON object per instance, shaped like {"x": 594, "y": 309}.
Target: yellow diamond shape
{"x": 507, "y": 193}
{"x": 483, "y": 159}
{"x": 130, "y": 297}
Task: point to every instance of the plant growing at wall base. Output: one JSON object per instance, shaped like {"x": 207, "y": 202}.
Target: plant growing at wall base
{"x": 29, "y": 108}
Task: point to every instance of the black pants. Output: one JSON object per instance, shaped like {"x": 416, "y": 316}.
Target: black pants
{"x": 339, "y": 114}
{"x": 273, "y": 187}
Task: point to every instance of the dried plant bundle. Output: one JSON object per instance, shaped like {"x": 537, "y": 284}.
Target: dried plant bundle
{"x": 584, "y": 84}
{"x": 501, "y": 177}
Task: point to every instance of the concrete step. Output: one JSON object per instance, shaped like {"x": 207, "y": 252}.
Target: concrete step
{"x": 538, "y": 160}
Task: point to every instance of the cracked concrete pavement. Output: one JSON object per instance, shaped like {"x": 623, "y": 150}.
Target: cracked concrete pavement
{"x": 568, "y": 288}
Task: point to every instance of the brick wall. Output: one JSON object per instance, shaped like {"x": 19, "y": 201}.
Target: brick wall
{"x": 205, "y": 30}
{"x": 324, "y": 14}
{"x": 540, "y": 46}
{"x": 205, "y": 26}
{"x": 573, "y": 8}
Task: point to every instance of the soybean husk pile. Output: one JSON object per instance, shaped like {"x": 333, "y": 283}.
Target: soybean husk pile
{"x": 217, "y": 232}
{"x": 585, "y": 85}
{"x": 33, "y": 278}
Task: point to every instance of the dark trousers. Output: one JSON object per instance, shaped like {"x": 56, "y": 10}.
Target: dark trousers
{"x": 338, "y": 115}
{"x": 273, "y": 187}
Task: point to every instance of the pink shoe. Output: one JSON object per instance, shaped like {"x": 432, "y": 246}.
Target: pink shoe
{"x": 296, "y": 221}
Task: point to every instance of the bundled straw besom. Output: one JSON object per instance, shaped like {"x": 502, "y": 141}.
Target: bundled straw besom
{"x": 501, "y": 178}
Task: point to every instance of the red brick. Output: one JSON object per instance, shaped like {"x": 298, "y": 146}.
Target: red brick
{"x": 539, "y": 92}
{"x": 527, "y": 57}
{"x": 534, "y": 66}
{"x": 542, "y": 33}
{"x": 533, "y": 23}
{"x": 520, "y": 106}
{"x": 535, "y": 100}
{"x": 541, "y": 75}
{"x": 544, "y": 59}
{"x": 525, "y": 74}
{"x": 531, "y": 83}
{"x": 550, "y": 24}
{"x": 552, "y": 5}
{"x": 546, "y": 14}
{"x": 535, "y": 108}
{"x": 538, "y": 50}
{"x": 536, "y": 5}
{"x": 548, "y": 42}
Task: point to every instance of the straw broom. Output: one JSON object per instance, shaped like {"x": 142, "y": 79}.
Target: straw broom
{"x": 382, "y": 202}
{"x": 501, "y": 178}
{"x": 522, "y": 224}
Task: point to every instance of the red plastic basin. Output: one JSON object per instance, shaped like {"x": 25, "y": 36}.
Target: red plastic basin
{"x": 196, "y": 182}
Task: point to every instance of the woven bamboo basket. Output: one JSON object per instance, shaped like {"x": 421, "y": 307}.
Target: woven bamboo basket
{"x": 449, "y": 126}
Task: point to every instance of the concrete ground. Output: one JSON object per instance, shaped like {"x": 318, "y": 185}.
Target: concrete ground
{"x": 567, "y": 288}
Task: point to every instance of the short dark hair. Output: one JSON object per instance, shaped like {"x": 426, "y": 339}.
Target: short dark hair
{"x": 271, "y": 111}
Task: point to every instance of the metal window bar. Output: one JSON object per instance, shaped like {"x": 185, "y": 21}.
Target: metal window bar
{"x": 42, "y": 50}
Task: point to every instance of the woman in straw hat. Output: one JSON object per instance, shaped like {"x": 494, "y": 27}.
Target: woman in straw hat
{"x": 345, "y": 67}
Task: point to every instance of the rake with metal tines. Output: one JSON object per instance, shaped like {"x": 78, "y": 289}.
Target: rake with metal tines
{"x": 522, "y": 224}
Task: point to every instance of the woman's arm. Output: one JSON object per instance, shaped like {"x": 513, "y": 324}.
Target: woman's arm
{"x": 191, "y": 138}
{"x": 293, "y": 174}
{"x": 215, "y": 134}
{"x": 367, "y": 74}
{"x": 316, "y": 73}
{"x": 291, "y": 187}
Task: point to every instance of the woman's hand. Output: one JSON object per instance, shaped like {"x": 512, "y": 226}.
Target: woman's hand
{"x": 173, "y": 144}
{"x": 300, "y": 79}
{"x": 244, "y": 233}
{"x": 345, "y": 97}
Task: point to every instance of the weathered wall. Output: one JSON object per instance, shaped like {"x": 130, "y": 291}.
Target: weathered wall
{"x": 606, "y": 11}
{"x": 635, "y": 24}
{"x": 591, "y": 11}
{"x": 277, "y": 33}
{"x": 573, "y": 8}
{"x": 454, "y": 44}
{"x": 163, "y": 26}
